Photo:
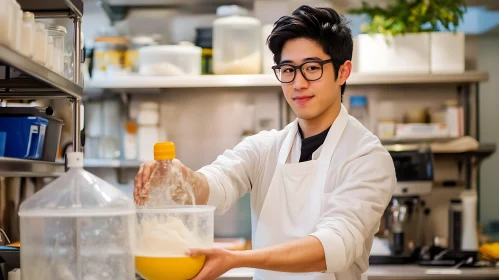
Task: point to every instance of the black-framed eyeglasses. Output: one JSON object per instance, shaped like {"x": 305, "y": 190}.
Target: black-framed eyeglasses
{"x": 310, "y": 70}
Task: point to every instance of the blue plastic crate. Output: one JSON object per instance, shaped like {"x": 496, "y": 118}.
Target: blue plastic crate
{"x": 24, "y": 136}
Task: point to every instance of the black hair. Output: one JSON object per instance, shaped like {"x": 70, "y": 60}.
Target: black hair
{"x": 323, "y": 25}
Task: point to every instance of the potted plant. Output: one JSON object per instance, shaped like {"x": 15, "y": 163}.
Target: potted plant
{"x": 404, "y": 37}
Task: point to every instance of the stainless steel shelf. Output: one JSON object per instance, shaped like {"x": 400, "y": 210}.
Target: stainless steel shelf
{"x": 110, "y": 163}
{"x": 75, "y": 6}
{"x": 13, "y": 167}
{"x": 269, "y": 80}
{"x": 40, "y": 82}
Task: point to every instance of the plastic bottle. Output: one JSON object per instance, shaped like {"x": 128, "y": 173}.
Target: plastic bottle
{"x": 469, "y": 241}
{"x": 28, "y": 34}
{"x": 78, "y": 227}
{"x": 167, "y": 185}
{"x": 358, "y": 109}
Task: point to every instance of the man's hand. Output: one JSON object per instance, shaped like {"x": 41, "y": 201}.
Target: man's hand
{"x": 197, "y": 181}
{"x": 218, "y": 261}
{"x": 140, "y": 191}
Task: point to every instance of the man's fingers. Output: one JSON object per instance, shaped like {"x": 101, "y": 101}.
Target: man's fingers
{"x": 197, "y": 252}
{"x": 147, "y": 170}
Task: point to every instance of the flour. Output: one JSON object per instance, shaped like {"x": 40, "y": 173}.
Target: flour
{"x": 159, "y": 238}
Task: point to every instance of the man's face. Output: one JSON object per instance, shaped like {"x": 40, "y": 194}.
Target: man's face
{"x": 310, "y": 99}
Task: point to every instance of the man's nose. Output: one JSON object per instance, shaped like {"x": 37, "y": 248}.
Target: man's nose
{"x": 300, "y": 82}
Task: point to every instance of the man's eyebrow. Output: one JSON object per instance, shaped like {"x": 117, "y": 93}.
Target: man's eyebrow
{"x": 306, "y": 59}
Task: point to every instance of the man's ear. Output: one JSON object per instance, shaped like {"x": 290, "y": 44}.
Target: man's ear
{"x": 345, "y": 71}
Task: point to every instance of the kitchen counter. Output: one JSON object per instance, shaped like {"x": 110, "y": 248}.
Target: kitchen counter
{"x": 383, "y": 272}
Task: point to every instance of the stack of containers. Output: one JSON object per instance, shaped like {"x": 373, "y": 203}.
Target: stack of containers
{"x": 41, "y": 42}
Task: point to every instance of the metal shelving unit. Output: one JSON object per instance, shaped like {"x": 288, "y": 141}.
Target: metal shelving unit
{"x": 13, "y": 167}
{"x": 269, "y": 80}
{"x": 37, "y": 82}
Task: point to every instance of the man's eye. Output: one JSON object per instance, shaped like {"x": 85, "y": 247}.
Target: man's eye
{"x": 287, "y": 70}
{"x": 312, "y": 68}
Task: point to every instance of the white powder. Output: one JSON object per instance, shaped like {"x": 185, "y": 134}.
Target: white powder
{"x": 165, "y": 239}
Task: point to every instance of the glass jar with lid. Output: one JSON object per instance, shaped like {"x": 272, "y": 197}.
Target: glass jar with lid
{"x": 109, "y": 56}
{"x": 236, "y": 42}
{"x": 58, "y": 34}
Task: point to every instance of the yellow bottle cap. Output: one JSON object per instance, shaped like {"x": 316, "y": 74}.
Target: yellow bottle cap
{"x": 164, "y": 151}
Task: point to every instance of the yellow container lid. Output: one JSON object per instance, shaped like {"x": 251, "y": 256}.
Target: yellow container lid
{"x": 164, "y": 151}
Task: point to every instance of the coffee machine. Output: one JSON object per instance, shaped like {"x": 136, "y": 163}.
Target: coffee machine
{"x": 403, "y": 224}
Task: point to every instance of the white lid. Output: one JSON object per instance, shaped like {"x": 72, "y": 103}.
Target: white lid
{"x": 28, "y": 16}
{"x": 144, "y": 40}
{"x": 171, "y": 49}
{"x": 231, "y": 10}
{"x": 77, "y": 193}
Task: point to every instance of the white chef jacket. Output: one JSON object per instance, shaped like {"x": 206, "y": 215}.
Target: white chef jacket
{"x": 361, "y": 180}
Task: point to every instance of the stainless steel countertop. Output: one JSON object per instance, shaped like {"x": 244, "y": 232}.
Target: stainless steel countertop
{"x": 379, "y": 272}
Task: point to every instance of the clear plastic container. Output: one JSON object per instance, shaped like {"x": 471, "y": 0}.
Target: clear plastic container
{"x": 58, "y": 34}
{"x": 28, "y": 34}
{"x": 163, "y": 236}
{"x": 236, "y": 42}
{"x": 78, "y": 227}
{"x": 50, "y": 53}
{"x": 170, "y": 60}
{"x": 16, "y": 19}
{"x": 5, "y": 22}
{"x": 41, "y": 42}
{"x": 358, "y": 109}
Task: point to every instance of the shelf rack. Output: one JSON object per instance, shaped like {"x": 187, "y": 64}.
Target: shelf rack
{"x": 37, "y": 82}
{"x": 269, "y": 80}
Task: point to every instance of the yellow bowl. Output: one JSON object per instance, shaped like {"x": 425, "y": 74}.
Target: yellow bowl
{"x": 168, "y": 268}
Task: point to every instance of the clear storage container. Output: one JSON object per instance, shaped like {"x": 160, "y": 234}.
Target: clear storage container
{"x": 5, "y": 22}
{"x": 41, "y": 42}
{"x": 170, "y": 60}
{"x": 58, "y": 34}
{"x": 78, "y": 227}
{"x": 236, "y": 42}
{"x": 16, "y": 19}
{"x": 50, "y": 53}
{"x": 28, "y": 34}
{"x": 163, "y": 236}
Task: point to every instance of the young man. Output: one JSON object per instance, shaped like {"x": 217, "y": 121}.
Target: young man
{"x": 319, "y": 186}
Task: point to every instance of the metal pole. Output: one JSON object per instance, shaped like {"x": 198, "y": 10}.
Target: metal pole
{"x": 76, "y": 103}
{"x": 77, "y": 49}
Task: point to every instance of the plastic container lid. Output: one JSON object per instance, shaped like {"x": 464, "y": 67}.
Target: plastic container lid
{"x": 28, "y": 16}
{"x": 77, "y": 193}
{"x": 180, "y": 49}
{"x": 57, "y": 28}
{"x": 358, "y": 101}
{"x": 231, "y": 10}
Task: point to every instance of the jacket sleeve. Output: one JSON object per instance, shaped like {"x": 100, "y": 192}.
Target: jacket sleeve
{"x": 233, "y": 173}
{"x": 355, "y": 207}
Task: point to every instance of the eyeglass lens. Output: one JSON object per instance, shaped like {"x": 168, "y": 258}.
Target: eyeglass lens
{"x": 311, "y": 70}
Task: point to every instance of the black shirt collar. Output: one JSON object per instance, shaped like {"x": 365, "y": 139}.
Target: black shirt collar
{"x": 311, "y": 144}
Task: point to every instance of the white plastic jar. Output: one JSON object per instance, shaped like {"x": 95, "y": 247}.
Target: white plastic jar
{"x": 16, "y": 19}
{"x": 58, "y": 34}
{"x": 5, "y": 22}
{"x": 41, "y": 42}
{"x": 236, "y": 42}
{"x": 50, "y": 53}
{"x": 28, "y": 34}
